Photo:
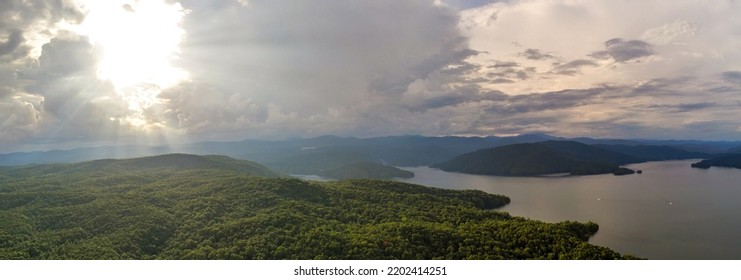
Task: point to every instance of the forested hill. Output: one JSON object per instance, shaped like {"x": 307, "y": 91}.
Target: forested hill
{"x": 164, "y": 163}
{"x": 730, "y": 160}
{"x": 183, "y": 207}
{"x": 541, "y": 158}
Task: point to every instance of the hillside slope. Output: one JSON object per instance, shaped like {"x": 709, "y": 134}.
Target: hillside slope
{"x": 174, "y": 207}
{"x": 730, "y": 160}
{"x": 532, "y": 159}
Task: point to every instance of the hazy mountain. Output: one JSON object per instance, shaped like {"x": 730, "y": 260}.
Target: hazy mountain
{"x": 165, "y": 163}
{"x": 366, "y": 170}
{"x": 654, "y": 153}
{"x": 736, "y": 150}
{"x": 81, "y": 154}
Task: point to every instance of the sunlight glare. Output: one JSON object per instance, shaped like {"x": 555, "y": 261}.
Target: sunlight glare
{"x": 138, "y": 40}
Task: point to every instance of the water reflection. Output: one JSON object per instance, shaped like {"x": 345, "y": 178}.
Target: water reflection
{"x": 671, "y": 211}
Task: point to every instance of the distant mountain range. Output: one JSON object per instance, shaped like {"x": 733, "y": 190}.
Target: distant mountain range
{"x": 322, "y": 155}
{"x": 365, "y": 170}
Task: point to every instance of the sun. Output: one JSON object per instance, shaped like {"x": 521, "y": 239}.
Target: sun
{"x": 138, "y": 40}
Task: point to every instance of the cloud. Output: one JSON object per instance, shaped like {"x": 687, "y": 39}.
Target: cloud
{"x": 572, "y": 67}
{"x": 664, "y": 86}
{"x": 501, "y": 81}
{"x": 468, "y": 4}
{"x": 505, "y": 71}
{"x": 19, "y": 117}
{"x": 128, "y": 8}
{"x": 681, "y": 107}
{"x": 26, "y": 23}
{"x": 535, "y": 54}
{"x": 197, "y": 107}
{"x": 24, "y": 27}
{"x": 622, "y": 51}
{"x": 65, "y": 69}
{"x": 732, "y": 76}
{"x": 454, "y": 97}
{"x": 670, "y": 33}
{"x": 504, "y": 64}
{"x": 13, "y": 41}
{"x": 60, "y": 98}
{"x": 308, "y": 57}
{"x": 564, "y": 99}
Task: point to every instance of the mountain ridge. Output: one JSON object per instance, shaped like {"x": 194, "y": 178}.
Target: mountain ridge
{"x": 165, "y": 162}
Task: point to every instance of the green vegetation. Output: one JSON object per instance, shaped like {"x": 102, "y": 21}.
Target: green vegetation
{"x": 653, "y": 153}
{"x": 625, "y": 171}
{"x": 730, "y": 160}
{"x": 191, "y": 207}
{"x": 532, "y": 159}
{"x": 366, "y": 170}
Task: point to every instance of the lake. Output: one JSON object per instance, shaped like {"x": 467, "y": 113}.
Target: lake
{"x": 671, "y": 211}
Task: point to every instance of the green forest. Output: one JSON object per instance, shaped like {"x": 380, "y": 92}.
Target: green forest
{"x": 729, "y": 160}
{"x": 193, "y": 207}
{"x": 533, "y": 159}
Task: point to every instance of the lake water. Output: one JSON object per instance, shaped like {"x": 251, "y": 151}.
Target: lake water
{"x": 671, "y": 211}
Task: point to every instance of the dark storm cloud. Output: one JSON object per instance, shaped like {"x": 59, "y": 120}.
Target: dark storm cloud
{"x": 622, "y": 51}
{"x": 571, "y": 68}
{"x": 536, "y": 54}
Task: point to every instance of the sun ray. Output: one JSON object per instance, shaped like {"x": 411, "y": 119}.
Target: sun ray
{"x": 139, "y": 40}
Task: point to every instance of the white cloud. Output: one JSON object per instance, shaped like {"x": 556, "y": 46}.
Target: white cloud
{"x": 690, "y": 37}
{"x": 19, "y": 116}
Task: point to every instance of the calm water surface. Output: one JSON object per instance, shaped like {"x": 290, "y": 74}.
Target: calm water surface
{"x": 671, "y": 211}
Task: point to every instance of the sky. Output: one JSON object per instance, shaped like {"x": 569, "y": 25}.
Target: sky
{"x": 77, "y": 73}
